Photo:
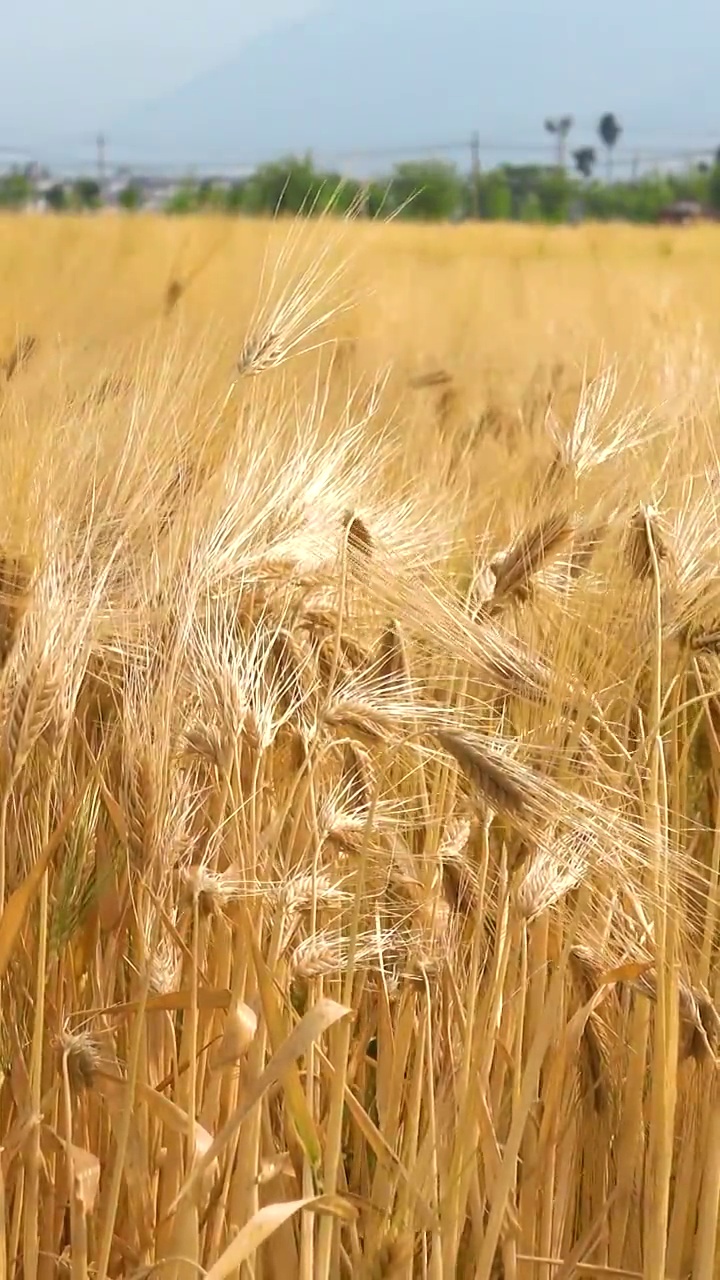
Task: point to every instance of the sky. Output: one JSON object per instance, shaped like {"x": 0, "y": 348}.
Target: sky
{"x": 68, "y": 68}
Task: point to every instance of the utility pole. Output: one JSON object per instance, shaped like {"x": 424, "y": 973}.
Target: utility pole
{"x": 475, "y": 174}
{"x": 100, "y": 143}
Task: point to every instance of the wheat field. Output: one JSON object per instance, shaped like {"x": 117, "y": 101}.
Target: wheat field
{"x": 359, "y": 751}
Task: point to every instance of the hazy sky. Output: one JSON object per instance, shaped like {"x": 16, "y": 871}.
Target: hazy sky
{"x": 69, "y": 67}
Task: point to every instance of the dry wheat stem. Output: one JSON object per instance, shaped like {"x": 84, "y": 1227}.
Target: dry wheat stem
{"x": 307, "y": 742}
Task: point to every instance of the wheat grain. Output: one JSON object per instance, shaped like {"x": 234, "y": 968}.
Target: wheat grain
{"x": 413, "y": 921}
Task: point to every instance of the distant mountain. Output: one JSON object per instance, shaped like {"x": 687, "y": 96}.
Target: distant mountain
{"x": 390, "y": 74}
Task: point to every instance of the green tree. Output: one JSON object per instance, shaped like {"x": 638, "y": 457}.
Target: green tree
{"x": 530, "y": 209}
{"x": 639, "y": 201}
{"x": 86, "y": 193}
{"x": 585, "y": 159}
{"x": 289, "y": 185}
{"x": 211, "y": 196}
{"x": 15, "y": 190}
{"x": 184, "y": 200}
{"x": 555, "y": 192}
{"x": 427, "y": 190}
{"x": 376, "y": 197}
{"x": 131, "y": 197}
{"x": 56, "y": 197}
{"x": 523, "y": 180}
{"x": 609, "y": 130}
{"x": 341, "y": 195}
{"x": 496, "y": 197}
{"x": 644, "y": 200}
{"x": 235, "y": 196}
{"x": 691, "y": 185}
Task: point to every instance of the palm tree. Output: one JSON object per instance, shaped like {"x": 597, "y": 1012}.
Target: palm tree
{"x": 609, "y": 129}
{"x": 585, "y": 159}
{"x": 560, "y": 127}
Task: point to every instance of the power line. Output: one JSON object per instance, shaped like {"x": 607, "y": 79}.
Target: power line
{"x": 478, "y": 146}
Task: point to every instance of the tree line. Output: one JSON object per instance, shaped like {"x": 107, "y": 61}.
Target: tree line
{"x": 425, "y": 190}
{"x": 434, "y": 190}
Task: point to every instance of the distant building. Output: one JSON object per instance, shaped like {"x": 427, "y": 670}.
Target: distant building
{"x": 156, "y": 189}
{"x": 682, "y": 213}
